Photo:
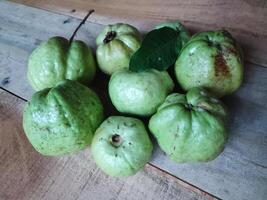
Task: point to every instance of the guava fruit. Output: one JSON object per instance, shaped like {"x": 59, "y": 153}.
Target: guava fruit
{"x": 121, "y": 146}
{"x": 115, "y": 46}
{"x": 57, "y": 59}
{"x": 62, "y": 119}
{"x": 190, "y": 127}
{"x": 212, "y": 60}
{"x": 139, "y": 93}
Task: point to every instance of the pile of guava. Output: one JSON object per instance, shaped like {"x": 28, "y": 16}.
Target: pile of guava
{"x": 65, "y": 115}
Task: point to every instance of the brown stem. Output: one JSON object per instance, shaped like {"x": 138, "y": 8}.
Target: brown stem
{"x": 82, "y": 22}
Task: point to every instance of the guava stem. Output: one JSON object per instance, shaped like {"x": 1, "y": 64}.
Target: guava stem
{"x": 79, "y": 26}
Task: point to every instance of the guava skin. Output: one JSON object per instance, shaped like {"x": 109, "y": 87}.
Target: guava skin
{"x": 115, "y": 46}
{"x": 121, "y": 146}
{"x": 62, "y": 119}
{"x": 212, "y": 60}
{"x": 139, "y": 93}
{"x": 177, "y": 26}
{"x": 56, "y": 60}
{"x": 190, "y": 127}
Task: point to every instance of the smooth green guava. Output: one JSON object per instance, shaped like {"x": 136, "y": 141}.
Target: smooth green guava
{"x": 62, "y": 119}
{"x": 115, "y": 46}
{"x": 212, "y": 60}
{"x": 139, "y": 93}
{"x": 121, "y": 146}
{"x": 56, "y": 60}
{"x": 190, "y": 127}
{"x": 177, "y": 26}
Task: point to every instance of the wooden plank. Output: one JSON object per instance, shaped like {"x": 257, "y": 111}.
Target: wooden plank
{"x": 246, "y": 19}
{"x": 239, "y": 173}
{"x": 25, "y": 174}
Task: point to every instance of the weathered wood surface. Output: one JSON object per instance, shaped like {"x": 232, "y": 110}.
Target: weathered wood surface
{"x": 246, "y": 19}
{"x": 240, "y": 172}
{"x": 25, "y": 174}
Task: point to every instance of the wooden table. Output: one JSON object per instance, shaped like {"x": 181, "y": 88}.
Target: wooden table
{"x": 240, "y": 172}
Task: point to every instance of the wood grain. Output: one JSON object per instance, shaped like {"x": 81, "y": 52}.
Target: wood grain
{"x": 25, "y": 174}
{"x": 246, "y": 19}
{"x": 240, "y": 172}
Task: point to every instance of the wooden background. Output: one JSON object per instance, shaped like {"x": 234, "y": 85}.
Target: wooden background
{"x": 240, "y": 172}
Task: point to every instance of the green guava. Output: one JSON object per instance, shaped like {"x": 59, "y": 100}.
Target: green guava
{"x": 177, "y": 26}
{"x": 139, "y": 93}
{"x": 190, "y": 127}
{"x": 62, "y": 119}
{"x": 212, "y": 60}
{"x": 121, "y": 146}
{"x": 56, "y": 60}
{"x": 115, "y": 46}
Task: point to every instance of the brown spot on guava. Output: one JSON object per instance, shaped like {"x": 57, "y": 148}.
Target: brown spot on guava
{"x": 221, "y": 67}
{"x": 233, "y": 51}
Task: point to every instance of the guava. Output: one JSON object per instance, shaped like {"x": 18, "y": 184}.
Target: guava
{"x": 62, "y": 119}
{"x": 57, "y": 59}
{"x": 190, "y": 127}
{"x": 139, "y": 93}
{"x": 121, "y": 146}
{"x": 115, "y": 46}
{"x": 212, "y": 60}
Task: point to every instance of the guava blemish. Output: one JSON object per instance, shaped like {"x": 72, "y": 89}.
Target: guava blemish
{"x": 210, "y": 43}
{"x": 129, "y": 125}
{"x": 233, "y": 51}
{"x": 109, "y": 37}
{"x": 221, "y": 67}
{"x": 67, "y": 124}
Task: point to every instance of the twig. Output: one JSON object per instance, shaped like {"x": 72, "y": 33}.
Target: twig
{"x": 82, "y": 22}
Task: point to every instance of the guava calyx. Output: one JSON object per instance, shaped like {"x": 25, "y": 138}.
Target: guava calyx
{"x": 189, "y": 106}
{"x": 115, "y": 140}
{"x": 109, "y": 37}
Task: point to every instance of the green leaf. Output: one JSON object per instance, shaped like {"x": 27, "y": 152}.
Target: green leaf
{"x": 176, "y": 25}
{"x": 159, "y": 50}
